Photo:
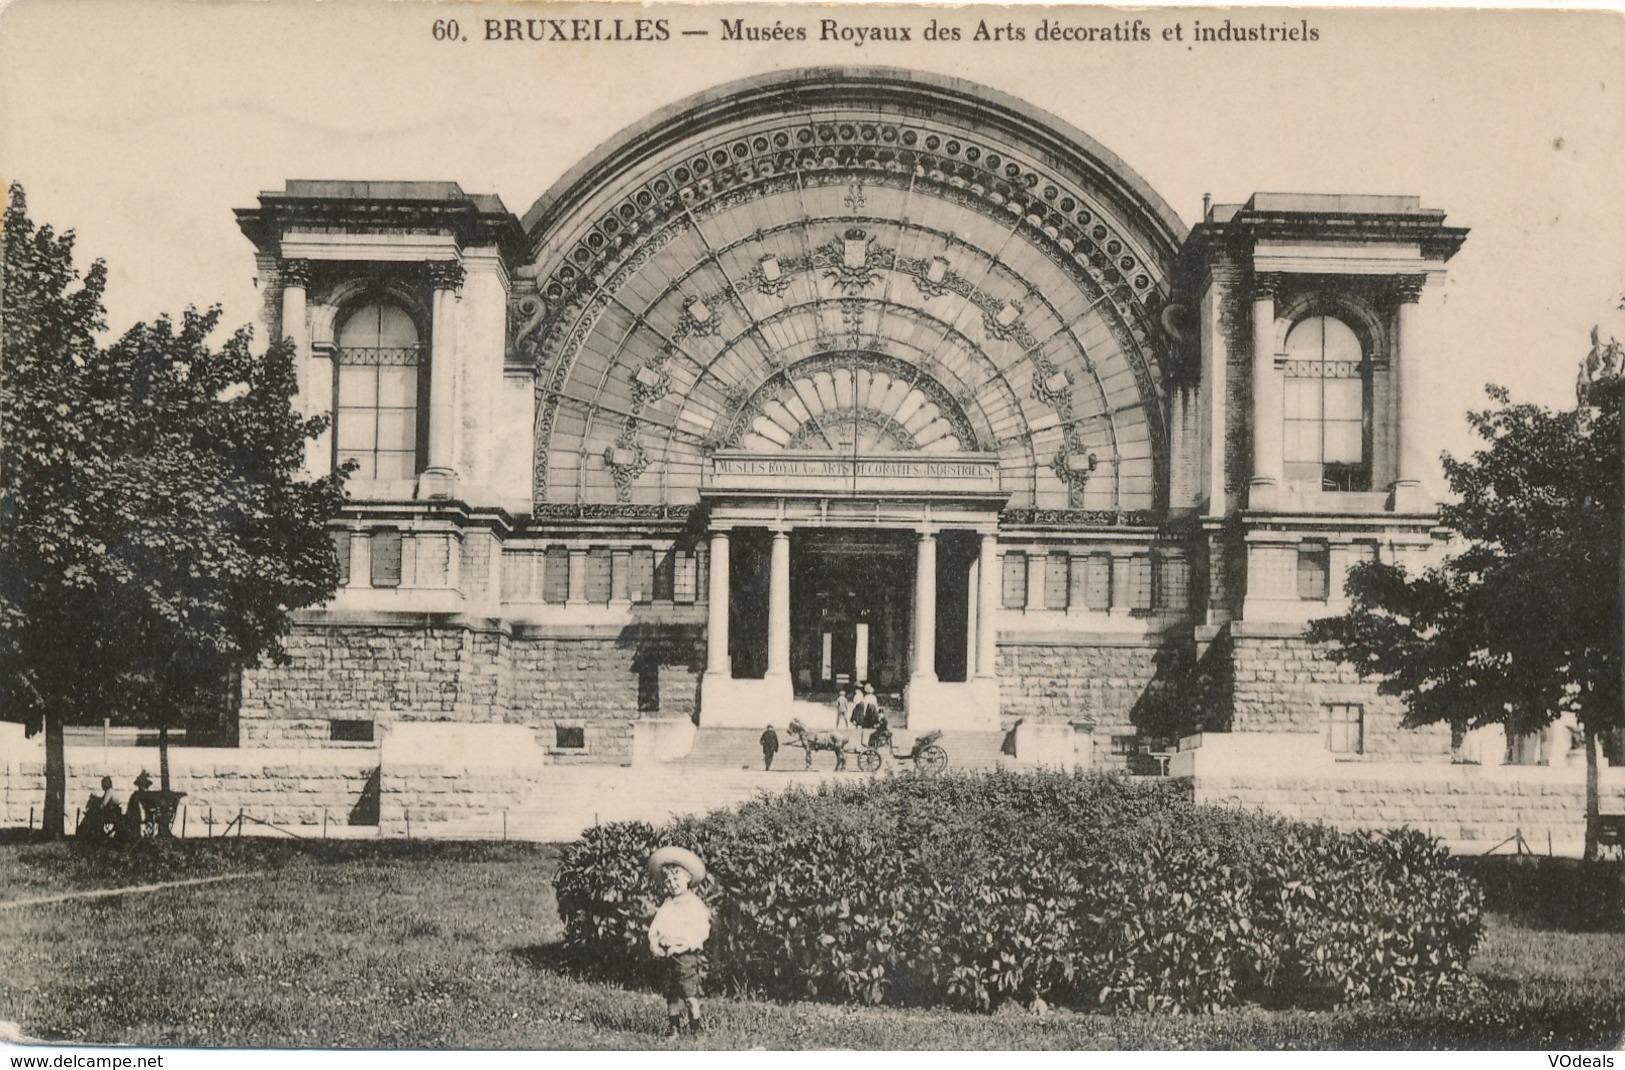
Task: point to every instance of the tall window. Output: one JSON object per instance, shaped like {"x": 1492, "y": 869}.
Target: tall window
{"x": 1327, "y": 443}
{"x": 1345, "y": 728}
{"x": 378, "y": 418}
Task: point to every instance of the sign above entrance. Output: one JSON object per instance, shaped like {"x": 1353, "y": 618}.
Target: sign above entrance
{"x": 826, "y": 473}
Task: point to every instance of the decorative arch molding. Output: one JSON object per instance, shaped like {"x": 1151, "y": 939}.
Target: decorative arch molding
{"x": 335, "y": 301}
{"x": 1360, "y": 307}
{"x": 1005, "y": 258}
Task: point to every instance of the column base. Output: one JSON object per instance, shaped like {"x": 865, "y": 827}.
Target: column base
{"x": 729, "y": 703}
{"x": 437, "y": 483}
{"x": 1407, "y": 496}
{"x": 1263, "y": 494}
{"x": 969, "y": 706}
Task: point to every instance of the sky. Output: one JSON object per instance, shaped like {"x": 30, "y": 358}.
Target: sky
{"x": 142, "y": 126}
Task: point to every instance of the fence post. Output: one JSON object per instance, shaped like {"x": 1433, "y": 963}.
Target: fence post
{"x": 408, "y": 814}
{"x": 504, "y": 824}
{"x": 239, "y": 824}
{"x": 211, "y": 822}
{"x": 30, "y": 819}
{"x": 183, "y": 821}
{"x": 324, "y": 822}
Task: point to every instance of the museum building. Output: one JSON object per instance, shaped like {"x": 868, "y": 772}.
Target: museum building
{"x": 839, "y": 376}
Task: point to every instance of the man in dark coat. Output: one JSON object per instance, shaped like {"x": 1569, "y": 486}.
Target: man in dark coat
{"x": 770, "y": 747}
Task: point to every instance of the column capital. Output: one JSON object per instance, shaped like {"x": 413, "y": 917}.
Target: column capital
{"x": 1267, "y": 285}
{"x": 294, "y": 272}
{"x": 446, "y": 274}
{"x": 1408, "y": 288}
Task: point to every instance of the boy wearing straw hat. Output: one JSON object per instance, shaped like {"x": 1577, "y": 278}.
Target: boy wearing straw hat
{"x": 678, "y": 932}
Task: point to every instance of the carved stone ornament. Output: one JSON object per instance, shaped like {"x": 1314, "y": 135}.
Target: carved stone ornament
{"x": 294, "y": 273}
{"x": 446, "y": 275}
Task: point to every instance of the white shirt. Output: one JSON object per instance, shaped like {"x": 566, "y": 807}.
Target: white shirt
{"x": 683, "y": 923}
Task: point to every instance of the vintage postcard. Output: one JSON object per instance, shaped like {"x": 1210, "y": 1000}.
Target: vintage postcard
{"x": 888, "y": 458}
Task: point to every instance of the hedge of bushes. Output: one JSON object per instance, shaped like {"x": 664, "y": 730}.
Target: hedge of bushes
{"x": 1085, "y": 890}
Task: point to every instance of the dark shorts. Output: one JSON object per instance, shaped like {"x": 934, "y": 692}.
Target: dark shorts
{"x": 682, "y": 975}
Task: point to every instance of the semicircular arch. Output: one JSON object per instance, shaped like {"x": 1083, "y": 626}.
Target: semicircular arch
{"x": 1015, "y": 265}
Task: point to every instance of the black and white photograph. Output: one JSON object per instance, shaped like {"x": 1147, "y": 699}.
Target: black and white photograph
{"x": 724, "y": 527}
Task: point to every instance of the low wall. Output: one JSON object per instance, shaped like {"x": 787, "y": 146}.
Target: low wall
{"x": 304, "y": 789}
{"x": 1471, "y": 807}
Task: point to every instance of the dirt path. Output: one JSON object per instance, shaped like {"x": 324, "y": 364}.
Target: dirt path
{"x": 131, "y": 889}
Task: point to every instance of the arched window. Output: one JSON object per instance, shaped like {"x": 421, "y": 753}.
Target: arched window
{"x": 1327, "y": 435}
{"x": 378, "y": 415}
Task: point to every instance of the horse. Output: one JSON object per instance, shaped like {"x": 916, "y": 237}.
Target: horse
{"x": 811, "y": 741}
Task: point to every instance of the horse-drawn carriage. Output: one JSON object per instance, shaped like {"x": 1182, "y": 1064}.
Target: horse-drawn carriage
{"x": 927, "y": 755}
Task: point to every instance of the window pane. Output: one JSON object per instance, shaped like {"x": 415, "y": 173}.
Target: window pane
{"x": 357, "y": 431}
{"x": 395, "y": 328}
{"x": 1015, "y": 579}
{"x": 394, "y": 464}
{"x": 398, "y": 430}
{"x": 599, "y": 569}
{"x": 1344, "y": 399}
{"x": 1302, "y": 399}
{"x": 1303, "y": 341}
{"x": 386, "y": 558}
{"x": 556, "y": 576}
{"x": 1301, "y": 442}
{"x": 358, "y": 385}
{"x": 665, "y": 575}
{"x": 1341, "y": 343}
{"x": 1139, "y": 582}
{"x": 1056, "y": 570}
{"x": 398, "y": 387}
{"x": 686, "y": 577}
{"x": 1314, "y": 568}
{"x": 360, "y": 329}
{"x": 1098, "y": 590}
{"x": 641, "y": 587}
{"x": 1343, "y": 443}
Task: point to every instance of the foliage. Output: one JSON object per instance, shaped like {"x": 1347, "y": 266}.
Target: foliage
{"x": 385, "y": 944}
{"x": 1522, "y": 624}
{"x": 154, "y": 528}
{"x": 971, "y": 892}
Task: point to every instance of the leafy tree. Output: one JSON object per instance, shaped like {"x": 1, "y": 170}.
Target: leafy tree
{"x": 1522, "y": 623}
{"x": 154, "y": 532}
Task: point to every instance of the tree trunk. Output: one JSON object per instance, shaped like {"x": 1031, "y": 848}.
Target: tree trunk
{"x": 163, "y": 758}
{"x": 54, "y": 820}
{"x": 1593, "y": 808}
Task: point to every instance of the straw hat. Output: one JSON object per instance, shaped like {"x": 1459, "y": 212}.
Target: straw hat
{"x": 677, "y": 856}
{"x": 868, "y": 689}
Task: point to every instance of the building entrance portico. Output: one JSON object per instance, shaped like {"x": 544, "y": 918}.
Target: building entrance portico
{"x": 844, "y": 570}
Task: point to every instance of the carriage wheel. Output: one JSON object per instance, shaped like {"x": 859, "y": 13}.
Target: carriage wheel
{"x": 868, "y": 760}
{"x": 931, "y": 761}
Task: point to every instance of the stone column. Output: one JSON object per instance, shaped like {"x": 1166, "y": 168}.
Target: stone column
{"x": 296, "y": 328}
{"x": 716, "y": 625}
{"x": 925, "y": 608}
{"x": 987, "y": 607}
{"x": 972, "y": 585}
{"x": 1408, "y": 495}
{"x": 860, "y": 652}
{"x": 1265, "y": 482}
{"x": 440, "y": 475}
{"x": 778, "y": 607}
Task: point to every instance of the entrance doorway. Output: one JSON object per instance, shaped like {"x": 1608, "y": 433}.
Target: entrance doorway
{"x": 851, "y": 595}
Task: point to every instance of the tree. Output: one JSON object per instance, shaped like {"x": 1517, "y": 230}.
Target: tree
{"x": 1522, "y": 623}
{"x": 154, "y": 532}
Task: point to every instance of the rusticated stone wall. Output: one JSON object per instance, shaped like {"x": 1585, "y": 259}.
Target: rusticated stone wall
{"x": 1124, "y": 688}
{"x": 420, "y": 668}
{"x": 1459, "y": 804}
{"x": 1283, "y": 684}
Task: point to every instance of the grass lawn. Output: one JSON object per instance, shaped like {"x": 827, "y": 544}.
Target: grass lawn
{"x": 437, "y": 945}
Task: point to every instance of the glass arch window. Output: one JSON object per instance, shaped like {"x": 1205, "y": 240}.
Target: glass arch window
{"x": 1327, "y": 441}
{"x": 379, "y": 408}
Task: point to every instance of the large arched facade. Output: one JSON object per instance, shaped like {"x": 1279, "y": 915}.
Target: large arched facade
{"x": 847, "y": 376}
{"x": 832, "y": 256}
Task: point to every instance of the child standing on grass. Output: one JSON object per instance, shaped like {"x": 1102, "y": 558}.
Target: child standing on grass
{"x": 677, "y": 934}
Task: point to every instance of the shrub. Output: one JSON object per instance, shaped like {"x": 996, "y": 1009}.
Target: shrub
{"x": 971, "y": 891}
